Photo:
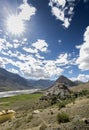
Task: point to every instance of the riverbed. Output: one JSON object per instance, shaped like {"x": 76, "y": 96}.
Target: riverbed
{"x": 17, "y": 92}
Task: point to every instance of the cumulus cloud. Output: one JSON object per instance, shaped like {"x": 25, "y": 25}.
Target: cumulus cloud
{"x": 83, "y": 59}
{"x": 34, "y": 67}
{"x": 30, "y": 50}
{"x": 63, "y": 10}
{"x": 26, "y": 11}
{"x": 30, "y": 59}
{"x": 2, "y": 65}
{"x": 40, "y": 45}
{"x": 39, "y": 56}
{"x": 62, "y": 59}
{"x": 52, "y": 70}
{"x": 81, "y": 77}
{"x": 4, "y": 44}
{"x": 12, "y": 70}
{"x": 78, "y": 46}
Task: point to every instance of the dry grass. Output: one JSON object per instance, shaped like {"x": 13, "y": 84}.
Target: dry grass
{"x": 80, "y": 87}
{"x": 26, "y": 120}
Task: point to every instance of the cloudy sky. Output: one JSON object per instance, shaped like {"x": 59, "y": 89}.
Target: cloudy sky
{"x": 43, "y": 39}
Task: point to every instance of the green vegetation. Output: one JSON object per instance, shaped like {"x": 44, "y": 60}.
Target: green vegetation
{"x": 84, "y": 92}
{"x": 49, "y": 114}
{"x": 62, "y": 104}
{"x": 14, "y": 101}
{"x": 63, "y": 117}
{"x": 21, "y": 97}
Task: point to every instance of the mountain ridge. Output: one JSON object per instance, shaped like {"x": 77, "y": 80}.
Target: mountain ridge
{"x": 10, "y": 81}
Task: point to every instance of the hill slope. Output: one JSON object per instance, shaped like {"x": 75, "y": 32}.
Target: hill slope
{"x": 10, "y": 81}
{"x": 83, "y": 86}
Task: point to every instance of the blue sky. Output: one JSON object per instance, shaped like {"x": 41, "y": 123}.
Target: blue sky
{"x": 43, "y": 39}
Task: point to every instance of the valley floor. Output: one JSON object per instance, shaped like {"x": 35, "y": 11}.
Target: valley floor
{"x": 45, "y": 116}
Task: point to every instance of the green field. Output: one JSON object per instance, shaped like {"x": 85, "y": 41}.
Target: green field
{"x": 19, "y": 100}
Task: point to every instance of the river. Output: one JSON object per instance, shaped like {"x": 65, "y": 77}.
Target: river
{"x": 17, "y": 92}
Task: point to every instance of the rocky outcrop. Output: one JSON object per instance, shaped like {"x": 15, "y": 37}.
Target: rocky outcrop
{"x": 60, "y": 90}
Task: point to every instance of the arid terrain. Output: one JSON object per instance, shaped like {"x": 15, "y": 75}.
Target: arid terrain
{"x": 35, "y": 114}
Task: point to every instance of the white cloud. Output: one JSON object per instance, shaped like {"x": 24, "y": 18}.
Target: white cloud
{"x": 26, "y": 11}
{"x": 30, "y": 50}
{"x": 1, "y": 63}
{"x": 9, "y": 45}
{"x": 16, "y": 41}
{"x": 24, "y": 1}
{"x": 31, "y": 67}
{"x": 63, "y": 10}
{"x": 4, "y": 44}
{"x": 71, "y": 71}
{"x": 78, "y": 46}
{"x": 39, "y": 56}
{"x": 35, "y": 67}
{"x": 2, "y": 40}
{"x": 52, "y": 70}
{"x": 58, "y": 13}
{"x": 40, "y": 45}
{"x": 24, "y": 39}
{"x": 62, "y": 59}
{"x": 81, "y": 77}
{"x": 83, "y": 59}
{"x": 31, "y": 62}
{"x": 12, "y": 70}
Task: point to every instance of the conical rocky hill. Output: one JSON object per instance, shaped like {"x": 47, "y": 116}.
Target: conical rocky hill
{"x": 65, "y": 80}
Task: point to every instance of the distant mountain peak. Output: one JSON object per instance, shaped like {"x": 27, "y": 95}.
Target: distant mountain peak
{"x": 65, "y": 80}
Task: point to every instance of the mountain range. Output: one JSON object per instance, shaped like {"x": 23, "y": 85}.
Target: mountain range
{"x": 11, "y": 81}
{"x": 41, "y": 83}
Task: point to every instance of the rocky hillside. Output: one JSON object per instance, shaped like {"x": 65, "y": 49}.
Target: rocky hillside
{"x": 81, "y": 87}
{"x": 59, "y": 90}
{"x": 10, "y": 81}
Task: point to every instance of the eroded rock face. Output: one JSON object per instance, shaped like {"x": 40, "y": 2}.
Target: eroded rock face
{"x": 60, "y": 90}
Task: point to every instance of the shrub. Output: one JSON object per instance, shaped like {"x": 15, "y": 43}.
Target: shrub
{"x": 63, "y": 117}
{"x": 53, "y": 100}
{"x": 30, "y": 118}
{"x": 62, "y": 104}
{"x": 85, "y": 92}
{"x": 18, "y": 124}
{"x": 51, "y": 112}
{"x": 87, "y": 96}
{"x": 43, "y": 127}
